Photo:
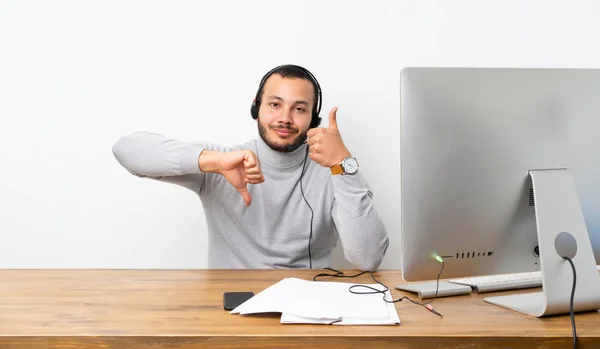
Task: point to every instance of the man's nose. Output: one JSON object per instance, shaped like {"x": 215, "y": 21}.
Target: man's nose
{"x": 285, "y": 116}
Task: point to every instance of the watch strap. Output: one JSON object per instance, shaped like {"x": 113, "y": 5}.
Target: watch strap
{"x": 337, "y": 169}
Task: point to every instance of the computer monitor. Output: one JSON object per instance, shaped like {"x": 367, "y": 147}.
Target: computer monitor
{"x": 495, "y": 164}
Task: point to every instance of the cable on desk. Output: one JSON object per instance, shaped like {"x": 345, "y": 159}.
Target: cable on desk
{"x": 372, "y": 290}
{"x": 571, "y": 303}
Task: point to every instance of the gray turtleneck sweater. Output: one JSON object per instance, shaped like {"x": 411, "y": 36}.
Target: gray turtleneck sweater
{"x": 274, "y": 231}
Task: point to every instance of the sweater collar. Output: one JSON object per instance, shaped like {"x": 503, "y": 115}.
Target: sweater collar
{"x": 277, "y": 159}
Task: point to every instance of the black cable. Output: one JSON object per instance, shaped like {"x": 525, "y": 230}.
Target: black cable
{"x": 339, "y": 274}
{"x": 310, "y": 208}
{"x": 373, "y": 290}
{"x": 571, "y": 303}
{"x": 437, "y": 284}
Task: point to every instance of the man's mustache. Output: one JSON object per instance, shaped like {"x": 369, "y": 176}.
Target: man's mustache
{"x": 283, "y": 127}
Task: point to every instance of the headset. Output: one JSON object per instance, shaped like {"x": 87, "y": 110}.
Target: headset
{"x": 316, "y": 120}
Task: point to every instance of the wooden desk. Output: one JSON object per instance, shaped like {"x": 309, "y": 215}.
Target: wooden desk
{"x": 184, "y": 309}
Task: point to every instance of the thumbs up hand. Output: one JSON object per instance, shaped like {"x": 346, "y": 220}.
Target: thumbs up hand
{"x": 325, "y": 144}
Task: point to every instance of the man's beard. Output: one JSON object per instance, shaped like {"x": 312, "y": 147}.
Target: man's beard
{"x": 284, "y": 148}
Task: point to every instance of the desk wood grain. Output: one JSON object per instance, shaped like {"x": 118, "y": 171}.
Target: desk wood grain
{"x": 184, "y": 309}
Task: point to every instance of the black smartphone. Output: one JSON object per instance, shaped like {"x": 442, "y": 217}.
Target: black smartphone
{"x": 231, "y": 300}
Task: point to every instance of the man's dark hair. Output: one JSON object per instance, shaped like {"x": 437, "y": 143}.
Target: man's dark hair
{"x": 291, "y": 71}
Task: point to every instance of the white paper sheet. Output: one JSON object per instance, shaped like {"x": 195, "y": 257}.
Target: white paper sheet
{"x": 320, "y": 302}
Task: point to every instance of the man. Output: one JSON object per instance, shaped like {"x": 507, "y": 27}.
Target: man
{"x": 278, "y": 201}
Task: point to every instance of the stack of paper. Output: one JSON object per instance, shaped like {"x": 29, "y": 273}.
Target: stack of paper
{"x": 320, "y": 302}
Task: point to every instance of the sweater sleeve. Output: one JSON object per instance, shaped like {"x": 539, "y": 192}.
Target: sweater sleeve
{"x": 362, "y": 233}
{"x": 154, "y": 156}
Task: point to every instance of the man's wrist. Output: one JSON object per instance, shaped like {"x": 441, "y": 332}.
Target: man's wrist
{"x": 341, "y": 158}
{"x": 210, "y": 161}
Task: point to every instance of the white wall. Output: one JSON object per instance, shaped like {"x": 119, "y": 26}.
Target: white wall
{"x": 76, "y": 75}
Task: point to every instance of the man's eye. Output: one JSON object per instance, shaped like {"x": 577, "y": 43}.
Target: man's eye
{"x": 301, "y": 110}
{"x": 274, "y": 104}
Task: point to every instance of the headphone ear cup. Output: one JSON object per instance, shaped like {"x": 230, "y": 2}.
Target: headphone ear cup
{"x": 254, "y": 111}
{"x": 316, "y": 121}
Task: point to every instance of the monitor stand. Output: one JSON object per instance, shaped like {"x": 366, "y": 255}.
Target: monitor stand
{"x": 561, "y": 231}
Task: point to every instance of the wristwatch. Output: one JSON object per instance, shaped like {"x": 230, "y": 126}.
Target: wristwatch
{"x": 348, "y": 166}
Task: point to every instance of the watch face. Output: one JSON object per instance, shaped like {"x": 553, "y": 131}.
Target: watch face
{"x": 350, "y": 165}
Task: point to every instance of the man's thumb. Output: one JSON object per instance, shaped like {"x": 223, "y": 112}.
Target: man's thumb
{"x": 333, "y": 118}
{"x": 246, "y": 195}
